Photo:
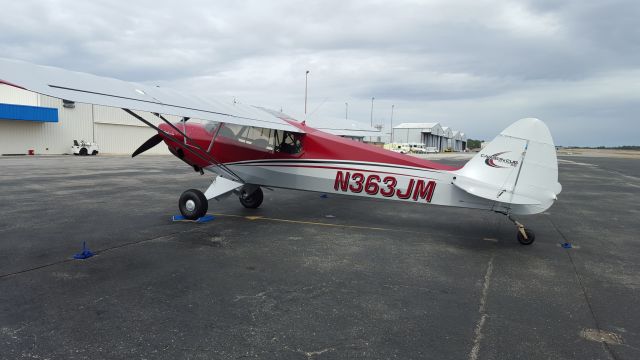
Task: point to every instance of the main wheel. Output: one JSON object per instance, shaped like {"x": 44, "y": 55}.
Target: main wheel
{"x": 193, "y": 204}
{"x": 531, "y": 237}
{"x": 252, "y": 201}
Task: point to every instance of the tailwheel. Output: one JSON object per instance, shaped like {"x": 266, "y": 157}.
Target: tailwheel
{"x": 525, "y": 236}
{"x": 528, "y": 239}
{"x": 193, "y": 204}
{"x": 252, "y": 200}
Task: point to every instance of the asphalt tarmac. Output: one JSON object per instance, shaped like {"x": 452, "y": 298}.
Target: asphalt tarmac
{"x": 309, "y": 277}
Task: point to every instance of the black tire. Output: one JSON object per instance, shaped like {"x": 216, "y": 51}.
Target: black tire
{"x": 95, "y": 152}
{"x": 83, "y": 152}
{"x": 193, "y": 204}
{"x": 531, "y": 237}
{"x": 252, "y": 201}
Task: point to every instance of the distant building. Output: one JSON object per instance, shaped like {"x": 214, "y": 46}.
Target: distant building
{"x": 459, "y": 141}
{"x": 431, "y": 135}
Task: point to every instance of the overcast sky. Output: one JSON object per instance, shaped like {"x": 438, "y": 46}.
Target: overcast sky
{"x": 472, "y": 65}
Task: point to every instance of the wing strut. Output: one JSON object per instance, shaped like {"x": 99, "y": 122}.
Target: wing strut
{"x": 208, "y": 158}
{"x": 193, "y": 143}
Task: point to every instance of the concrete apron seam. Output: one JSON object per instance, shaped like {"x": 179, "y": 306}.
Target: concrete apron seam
{"x": 482, "y": 310}
{"x": 608, "y": 350}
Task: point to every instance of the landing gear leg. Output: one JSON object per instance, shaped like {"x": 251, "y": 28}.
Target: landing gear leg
{"x": 525, "y": 236}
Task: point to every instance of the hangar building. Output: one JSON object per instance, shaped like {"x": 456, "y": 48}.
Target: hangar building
{"x": 30, "y": 121}
{"x": 431, "y": 135}
{"x": 459, "y": 141}
{"x": 448, "y": 135}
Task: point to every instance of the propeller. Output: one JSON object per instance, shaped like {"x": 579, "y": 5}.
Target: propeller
{"x": 153, "y": 141}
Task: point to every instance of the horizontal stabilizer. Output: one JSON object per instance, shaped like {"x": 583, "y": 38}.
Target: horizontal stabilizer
{"x": 492, "y": 192}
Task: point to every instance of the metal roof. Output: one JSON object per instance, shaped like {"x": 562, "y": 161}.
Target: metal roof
{"x": 433, "y": 128}
{"x": 416, "y": 125}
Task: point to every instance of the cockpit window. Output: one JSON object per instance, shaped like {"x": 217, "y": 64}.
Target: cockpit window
{"x": 264, "y": 139}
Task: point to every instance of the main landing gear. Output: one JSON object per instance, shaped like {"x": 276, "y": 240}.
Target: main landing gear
{"x": 193, "y": 204}
{"x": 251, "y": 200}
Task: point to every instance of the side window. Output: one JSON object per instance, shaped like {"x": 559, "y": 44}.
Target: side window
{"x": 210, "y": 126}
{"x": 289, "y": 142}
{"x": 230, "y": 131}
{"x": 259, "y": 138}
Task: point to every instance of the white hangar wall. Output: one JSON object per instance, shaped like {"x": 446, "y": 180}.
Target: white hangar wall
{"x": 405, "y": 135}
{"x": 115, "y": 131}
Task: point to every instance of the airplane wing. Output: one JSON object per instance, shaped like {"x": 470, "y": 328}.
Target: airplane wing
{"x": 92, "y": 89}
{"x": 343, "y": 127}
{"x": 333, "y": 125}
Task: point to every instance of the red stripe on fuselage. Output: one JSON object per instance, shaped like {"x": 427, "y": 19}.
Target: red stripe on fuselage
{"x": 343, "y": 168}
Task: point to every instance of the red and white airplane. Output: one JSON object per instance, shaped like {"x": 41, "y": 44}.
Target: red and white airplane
{"x": 250, "y": 148}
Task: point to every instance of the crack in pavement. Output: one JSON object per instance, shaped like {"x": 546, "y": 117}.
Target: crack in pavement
{"x": 482, "y": 310}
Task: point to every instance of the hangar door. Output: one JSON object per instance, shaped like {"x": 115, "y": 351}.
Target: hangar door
{"x": 125, "y": 139}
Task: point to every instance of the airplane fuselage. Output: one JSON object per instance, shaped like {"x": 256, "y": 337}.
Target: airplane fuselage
{"x": 326, "y": 163}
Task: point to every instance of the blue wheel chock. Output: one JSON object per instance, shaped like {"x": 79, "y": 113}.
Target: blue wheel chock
{"x": 86, "y": 253}
{"x": 203, "y": 219}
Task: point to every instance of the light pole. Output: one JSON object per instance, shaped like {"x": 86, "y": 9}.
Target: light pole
{"x": 306, "y": 78}
{"x": 392, "y": 106}
{"x": 372, "y": 98}
{"x": 346, "y": 111}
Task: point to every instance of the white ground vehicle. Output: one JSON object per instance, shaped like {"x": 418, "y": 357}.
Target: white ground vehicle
{"x": 431, "y": 150}
{"x": 417, "y": 148}
{"x": 399, "y": 148}
{"x": 84, "y": 148}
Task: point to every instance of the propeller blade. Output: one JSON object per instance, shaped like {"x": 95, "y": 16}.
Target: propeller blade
{"x": 153, "y": 141}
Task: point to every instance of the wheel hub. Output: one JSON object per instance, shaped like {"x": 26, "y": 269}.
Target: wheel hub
{"x": 190, "y": 205}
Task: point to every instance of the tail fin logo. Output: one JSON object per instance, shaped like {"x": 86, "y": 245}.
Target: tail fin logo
{"x": 490, "y": 160}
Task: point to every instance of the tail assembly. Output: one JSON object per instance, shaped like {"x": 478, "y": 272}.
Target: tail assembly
{"x": 518, "y": 169}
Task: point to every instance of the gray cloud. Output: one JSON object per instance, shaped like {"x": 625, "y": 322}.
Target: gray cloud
{"x": 473, "y": 65}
